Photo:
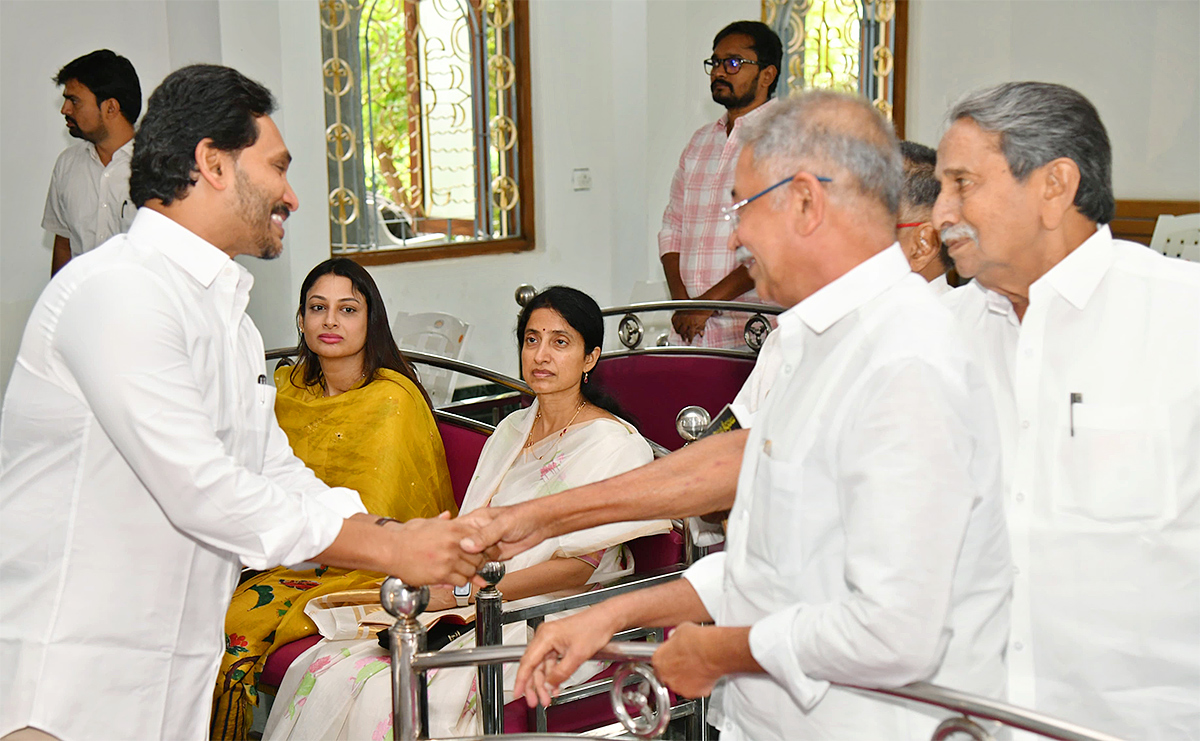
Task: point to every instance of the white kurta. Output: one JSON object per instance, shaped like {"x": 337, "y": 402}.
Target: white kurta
{"x": 139, "y": 461}
{"x": 88, "y": 201}
{"x": 866, "y": 544}
{"x": 1103, "y": 493}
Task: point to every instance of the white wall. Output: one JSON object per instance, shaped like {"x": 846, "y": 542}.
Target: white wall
{"x": 617, "y": 88}
{"x": 38, "y": 38}
{"x": 1138, "y": 62}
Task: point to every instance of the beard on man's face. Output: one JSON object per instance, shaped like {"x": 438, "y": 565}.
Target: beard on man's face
{"x": 723, "y": 93}
{"x": 255, "y": 208}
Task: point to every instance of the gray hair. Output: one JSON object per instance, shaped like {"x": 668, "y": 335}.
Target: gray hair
{"x": 1038, "y": 122}
{"x": 841, "y": 134}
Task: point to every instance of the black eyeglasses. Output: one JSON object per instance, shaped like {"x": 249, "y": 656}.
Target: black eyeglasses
{"x": 730, "y": 64}
{"x": 730, "y": 213}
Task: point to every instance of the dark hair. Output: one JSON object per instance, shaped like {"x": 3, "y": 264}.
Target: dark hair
{"x": 1039, "y": 122}
{"x": 203, "y": 101}
{"x": 380, "y": 350}
{"x": 921, "y": 186}
{"x": 108, "y": 75}
{"x": 763, "y": 41}
{"x": 583, "y": 314}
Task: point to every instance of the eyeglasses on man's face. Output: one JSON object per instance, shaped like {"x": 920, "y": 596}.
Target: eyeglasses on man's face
{"x": 731, "y": 65}
{"x": 730, "y": 213}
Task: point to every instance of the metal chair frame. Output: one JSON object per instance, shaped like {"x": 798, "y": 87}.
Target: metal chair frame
{"x": 410, "y": 662}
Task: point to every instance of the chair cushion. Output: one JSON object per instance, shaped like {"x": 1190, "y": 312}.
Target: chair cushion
{"x": 653, "y": 388}
{"x": 279, "y": 661}
{"x": 462, "y": 446}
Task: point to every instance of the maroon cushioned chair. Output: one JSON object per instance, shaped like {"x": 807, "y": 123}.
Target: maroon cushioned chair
{"x": 653, "y": 387}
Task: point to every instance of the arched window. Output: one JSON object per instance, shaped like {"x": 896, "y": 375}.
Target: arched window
{"x": 852, "y": 45}
{"x": 428, "y": 135}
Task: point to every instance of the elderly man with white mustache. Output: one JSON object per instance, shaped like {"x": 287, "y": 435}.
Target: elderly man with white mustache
{"x": 1093, "y": 349}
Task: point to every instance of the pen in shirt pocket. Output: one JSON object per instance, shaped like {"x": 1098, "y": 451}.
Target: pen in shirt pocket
{"x": 263, "y": 384}
{"x": 1076, "y": 398}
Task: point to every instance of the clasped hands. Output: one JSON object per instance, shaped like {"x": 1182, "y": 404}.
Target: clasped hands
{"x": 690, "y": 323}
{"x": 442, "y": 550}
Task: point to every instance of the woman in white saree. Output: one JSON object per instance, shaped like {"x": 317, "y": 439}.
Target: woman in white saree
{"x": 570, "y": 436}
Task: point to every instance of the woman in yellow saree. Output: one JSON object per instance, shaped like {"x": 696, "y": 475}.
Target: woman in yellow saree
{"x": 355, "y": 413}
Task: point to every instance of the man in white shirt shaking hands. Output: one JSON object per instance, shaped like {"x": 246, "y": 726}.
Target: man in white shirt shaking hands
{"x": 140, "y": 461}
{"x": 866, "y": 541}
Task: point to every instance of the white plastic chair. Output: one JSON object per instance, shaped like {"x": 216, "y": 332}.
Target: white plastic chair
{"x": 1177, "y": 236}
{"x": 437, "y": 334}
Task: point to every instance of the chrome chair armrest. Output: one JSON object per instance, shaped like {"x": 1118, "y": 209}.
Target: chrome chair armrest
{"x": 632, "y": 583}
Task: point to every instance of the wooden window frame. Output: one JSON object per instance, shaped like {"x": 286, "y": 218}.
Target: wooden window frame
{"x": 525, "y": 240}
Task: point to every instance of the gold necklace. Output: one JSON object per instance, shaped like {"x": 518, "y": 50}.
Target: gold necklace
{"x": 536, "y": 417}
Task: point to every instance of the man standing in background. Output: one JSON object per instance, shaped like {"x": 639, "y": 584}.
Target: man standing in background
{"x": 88, "y": 200}
{"x": 693, "y": 243}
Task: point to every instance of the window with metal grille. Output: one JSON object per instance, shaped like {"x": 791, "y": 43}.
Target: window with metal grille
{"x": 428, "y": 135}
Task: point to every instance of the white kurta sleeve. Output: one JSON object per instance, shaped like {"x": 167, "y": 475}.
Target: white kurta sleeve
{"x": 907, "y": 497}
{"x": 54, "y": 220}
{"x": 125, "y": 345}
{"x": 707, "y": 577}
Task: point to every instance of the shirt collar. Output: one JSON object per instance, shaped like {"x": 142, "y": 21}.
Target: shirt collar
{"x": 194, "y": 255}
{"x": 1077, "y": 275}
{"x": 862, "y": 283}
{"x": 723, "y": 121}
{"x": 125, "y": 151}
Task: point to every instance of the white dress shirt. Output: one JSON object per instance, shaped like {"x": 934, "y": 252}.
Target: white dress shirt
{"x": 766, "y": 366}
{"x": 866, "y": 544}
{"x": 140, "y": 460}
{"x": 940, "y": 285}
{"x": 88, "y": 202}
{"x": 1103, "y": 492}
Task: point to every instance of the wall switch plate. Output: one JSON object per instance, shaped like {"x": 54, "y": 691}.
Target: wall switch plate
{"x": 581, "y": 178}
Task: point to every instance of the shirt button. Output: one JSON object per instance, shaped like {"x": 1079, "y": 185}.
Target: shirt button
{"x": 1020, "y": 496}
{"x": 1018, "y": 646}
{"x": 1029, "y": 352}
{"x": 1016, "y": 569}
{"x": 1024, "y": 424}
{"x": 787, "y": 369}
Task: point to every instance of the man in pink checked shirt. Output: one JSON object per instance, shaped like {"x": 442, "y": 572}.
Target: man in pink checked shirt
{"x": 693, "y": 242}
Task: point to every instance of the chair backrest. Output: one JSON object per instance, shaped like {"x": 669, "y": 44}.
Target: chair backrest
{"x": 654, "y": 387}
{"x": 1177, "y": 236}
{"x": 437, "y": 334}
{"x": 655, "y": 552}
{"x": 463, "y": 446}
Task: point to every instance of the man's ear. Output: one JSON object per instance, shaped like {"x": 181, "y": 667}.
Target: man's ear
{"x": 807, "y": 202}
{"x": 215, "y": 165}
{"x": 110, "y": 108}
{"x": 1060, "y": 182}
{"x": 767, "y": 76}
{"x": 928, "y": 244}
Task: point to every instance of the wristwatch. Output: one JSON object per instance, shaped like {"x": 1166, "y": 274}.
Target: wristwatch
{"x": 462, "y": 595}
